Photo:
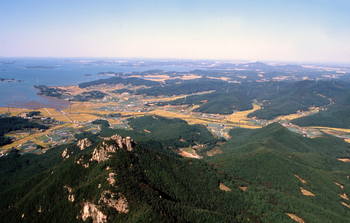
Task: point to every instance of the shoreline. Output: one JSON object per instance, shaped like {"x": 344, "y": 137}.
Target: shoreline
{"x": 48, "y": 102}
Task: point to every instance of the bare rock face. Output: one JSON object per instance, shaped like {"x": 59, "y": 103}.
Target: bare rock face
{"x": 122, "y": 141}
{"x": 107, "y": 200}
{"x": 90, "y": 210}
{"x": 80, "y": 161}
{"x": 120, "y": 204}
{"x": 70, "y": 196}
{"x": 100, "y": 153}
{"x": 129, "y": 143}
{"x": 64, "y": 152}
{"x": 84, "y": 143}
{"x": 111, "y": 179}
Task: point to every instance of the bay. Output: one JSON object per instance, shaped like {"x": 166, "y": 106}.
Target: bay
{"x": 53, "y": 72}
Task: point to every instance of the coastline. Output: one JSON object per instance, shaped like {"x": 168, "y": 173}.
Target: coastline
{"x": 48, "y": 102}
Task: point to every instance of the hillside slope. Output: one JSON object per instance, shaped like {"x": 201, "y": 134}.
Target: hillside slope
{"x": 262, "y": 175}
{"x": 278, "y": 167}
{"x": 121, "y": 181}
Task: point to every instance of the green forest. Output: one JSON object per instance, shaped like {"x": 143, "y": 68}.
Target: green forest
{"x": 214, "y": 103}
{"x": 161, "y": 186}
{"x": 333, "y": 117}
{"x": 267, "y": 161}
{"x": 89, "y": 95}
{"x": 276, "y": 98}
{"x": 163, "y": 134}
{"x": 52, "y": 92}
{"x": 118, "y": 80}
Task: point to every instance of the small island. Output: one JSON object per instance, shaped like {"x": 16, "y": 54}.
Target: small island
{"x": 40, "y": 67}
{"x": 87, "y": 75}
{"x": 6, "y": 79}
{"x": 110, "y": 73}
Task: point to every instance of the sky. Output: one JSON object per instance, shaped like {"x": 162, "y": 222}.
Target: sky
{"x": 276, "y": 30}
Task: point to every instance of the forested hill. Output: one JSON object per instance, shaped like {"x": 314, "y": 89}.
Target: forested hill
{"x": 186, "y": 87}
{"x": 335, "y": 115}
{"x": 261, "y": 176}
{"x": 164, "y": 134}
{"x": 287, "y": 171}
{"x": 121, "y": 181}
{"x": 282, "y": 98}
{"x": 277, "y": 98}
{"x": 118, "y": 80}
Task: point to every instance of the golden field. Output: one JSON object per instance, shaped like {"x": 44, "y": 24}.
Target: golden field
{"x": 298, "y": 115}
{"x": 331, "y": 129}
{"x": 35, "y": 136}
{"x": 241, "y": 117}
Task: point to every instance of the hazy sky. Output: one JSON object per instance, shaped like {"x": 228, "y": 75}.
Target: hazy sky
{"x": 293, "y": 30}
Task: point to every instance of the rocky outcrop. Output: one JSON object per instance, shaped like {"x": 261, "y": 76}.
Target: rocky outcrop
{"x": 90, "y": 210}
{"x": 101, "y": 154}
{"x": 111, "y": 179}
{"x": 110, "y": 145}
{"x": 122, "y": 141}
{"x": 80, "y": 161}
{"x": 70, "y": 196}
{"x": 64, "y": 153}
{"x": 83, "y": 143}
{"x": 108, "y": 199}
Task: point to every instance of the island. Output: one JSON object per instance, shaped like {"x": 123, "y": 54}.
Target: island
{"x": 39, "y": 67}
{"x": 6, "y": 79}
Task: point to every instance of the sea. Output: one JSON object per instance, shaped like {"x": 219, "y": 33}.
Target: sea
{"x": 28, "y": 72}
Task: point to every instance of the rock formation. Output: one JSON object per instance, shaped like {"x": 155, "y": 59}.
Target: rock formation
{"x": 101, "y": 154}
{"x": 70, "y": 196}
{"x": 111, "y": 179}
{"x": 83, "y": 143}
{"x": 110, "y": 145}
{"x": 120, "y": 204}
{"x": 80, "y": 161}
{"x": 90, "y": 210}
{"x": 64, "y": 152}
{"x": 122, "y": 141}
